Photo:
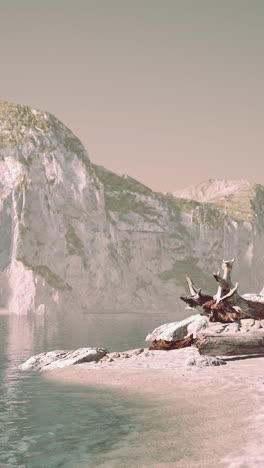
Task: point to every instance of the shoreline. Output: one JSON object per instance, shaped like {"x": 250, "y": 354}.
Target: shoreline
{"x": 220, "y": 408}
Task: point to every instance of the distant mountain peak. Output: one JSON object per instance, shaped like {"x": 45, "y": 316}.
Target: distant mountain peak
{"x": 212, "y": 190}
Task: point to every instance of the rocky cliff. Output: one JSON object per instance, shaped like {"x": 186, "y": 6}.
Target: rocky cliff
{"x": 76, "y": 237}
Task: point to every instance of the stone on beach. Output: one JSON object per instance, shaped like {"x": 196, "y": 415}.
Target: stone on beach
{"x": 58, "y": 359}
{"x": 179, "y": 330}
{"x": 204, "y": 361}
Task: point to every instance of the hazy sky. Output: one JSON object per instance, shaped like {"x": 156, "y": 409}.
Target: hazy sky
{"x": 167, "y": 91}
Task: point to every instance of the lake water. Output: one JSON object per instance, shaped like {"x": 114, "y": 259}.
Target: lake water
{"x": 46, "y": 425}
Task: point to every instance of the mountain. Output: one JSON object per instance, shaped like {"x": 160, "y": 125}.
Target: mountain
{"x": 212, "y": 190}
{"x": 76, "y": 237}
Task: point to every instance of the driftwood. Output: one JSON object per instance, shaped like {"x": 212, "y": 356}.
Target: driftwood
{"x": 168, "y": 345}
{"x": 245, "y": 307}
{"x": 196, "y": 298}
{"x": 227, "y": 305}
{"x": 230, "y": 344}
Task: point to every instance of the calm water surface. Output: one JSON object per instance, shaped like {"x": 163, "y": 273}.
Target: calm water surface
{"x": 46, "y": 425}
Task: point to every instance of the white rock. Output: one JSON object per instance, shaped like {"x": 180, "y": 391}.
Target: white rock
{"x": 191, "y": 325}
{"x": 204, "y": 361}
{"x": 177, "y": 330}
{"x": 40, "y": 360}
{"x": 254, "y": 297}
{"x": 58, "y": 359}
{"x": 197, "y": 325}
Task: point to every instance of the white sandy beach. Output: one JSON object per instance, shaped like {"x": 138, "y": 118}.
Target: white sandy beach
{"x": 200, "y": 417}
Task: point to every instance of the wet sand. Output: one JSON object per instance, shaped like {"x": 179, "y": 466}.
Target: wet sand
{"x": 196, "y": 417}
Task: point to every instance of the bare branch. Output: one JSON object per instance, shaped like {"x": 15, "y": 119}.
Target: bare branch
{"x": 229, "y": 294}
{"x": 192, "y": 288}
{"x": 218, "y": 295}
{"x": 197, "y": 298}
{"x": 229, "y": 261}
{"x": 227, "y": 266}
{"x": 223, "y": 283}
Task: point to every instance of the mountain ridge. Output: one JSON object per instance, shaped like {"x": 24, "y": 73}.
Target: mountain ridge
{"x": 212, "y": 190}
{"x": 75, "y": 236}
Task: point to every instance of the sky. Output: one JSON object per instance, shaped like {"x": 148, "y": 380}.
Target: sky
{"x": 169, "y": 92}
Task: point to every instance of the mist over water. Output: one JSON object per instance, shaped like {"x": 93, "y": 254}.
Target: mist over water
{"x": 50, "y": 425}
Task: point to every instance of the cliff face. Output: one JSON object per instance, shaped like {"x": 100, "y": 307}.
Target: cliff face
{"x": 76, "y": 237}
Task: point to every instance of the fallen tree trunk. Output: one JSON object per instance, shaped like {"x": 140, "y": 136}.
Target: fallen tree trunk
{"x": 230, "y": 345}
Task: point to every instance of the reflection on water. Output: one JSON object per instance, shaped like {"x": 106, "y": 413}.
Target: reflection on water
{"x": 46, "y": 425}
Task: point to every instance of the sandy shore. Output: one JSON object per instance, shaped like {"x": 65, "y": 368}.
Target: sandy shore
{"x": 196, "y": 417}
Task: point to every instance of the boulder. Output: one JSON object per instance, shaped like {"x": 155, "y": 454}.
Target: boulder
{"x": 179, "y": 330}
{"x": 58, "y": 359}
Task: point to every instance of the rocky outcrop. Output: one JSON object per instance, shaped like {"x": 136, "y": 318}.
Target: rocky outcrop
{"x": 75, "y": 237}
{"x": 59, "y": 359}
{"x": 197, "y": 324}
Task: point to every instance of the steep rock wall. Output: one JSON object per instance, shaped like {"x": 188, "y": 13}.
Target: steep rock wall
{"x": 76, "y": 237}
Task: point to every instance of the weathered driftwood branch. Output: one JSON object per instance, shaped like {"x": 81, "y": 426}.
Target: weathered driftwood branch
{"x": 196, "y": 298}
{"x": 192, "y": 288}
{"x": 227, "y": 266}
{"x": 227, "y": 305}
{"x": 242, "y": 306}
{"x": 230, "y": 345}
{"x": 229, "y": 294}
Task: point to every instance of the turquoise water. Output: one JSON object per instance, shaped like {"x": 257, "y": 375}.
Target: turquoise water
{"x": 46, "y": 425}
